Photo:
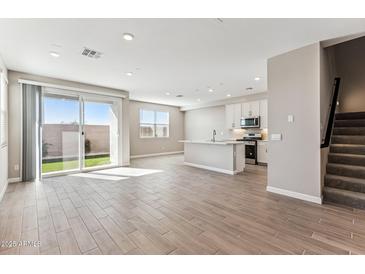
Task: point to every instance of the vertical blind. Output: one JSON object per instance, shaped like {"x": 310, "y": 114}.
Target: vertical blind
{"x": 31, "y": 131}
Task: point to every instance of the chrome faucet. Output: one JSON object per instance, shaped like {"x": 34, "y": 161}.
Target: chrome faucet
{"x": 214, "y": 134}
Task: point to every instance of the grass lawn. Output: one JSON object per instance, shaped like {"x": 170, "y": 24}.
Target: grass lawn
{"x": 67, "y": 165}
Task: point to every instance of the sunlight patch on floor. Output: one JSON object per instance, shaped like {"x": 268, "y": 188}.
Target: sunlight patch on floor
{"x": 127, "y": 171}
{"x": 98, "y": 176}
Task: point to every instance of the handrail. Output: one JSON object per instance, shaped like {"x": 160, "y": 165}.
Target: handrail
{"x": 331, "y": 117}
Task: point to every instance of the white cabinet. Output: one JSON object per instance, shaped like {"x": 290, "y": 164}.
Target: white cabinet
{"x": 250, "y": 109}
{"x": 263, "y": 114}
{"x": 240, "y": 157}
{"x": 262, "y": 152}
{"x": 246, "y": 109}
{"x": 233, "y": 116}
{"x": 234, "y": 112}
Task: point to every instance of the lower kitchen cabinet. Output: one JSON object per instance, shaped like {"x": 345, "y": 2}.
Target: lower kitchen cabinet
{"x": 262, "y": 152}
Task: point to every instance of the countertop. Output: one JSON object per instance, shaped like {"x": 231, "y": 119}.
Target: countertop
{"x": 208, "y": 142}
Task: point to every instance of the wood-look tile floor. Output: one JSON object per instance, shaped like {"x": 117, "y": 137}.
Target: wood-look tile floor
{"x": 179, "y": 210}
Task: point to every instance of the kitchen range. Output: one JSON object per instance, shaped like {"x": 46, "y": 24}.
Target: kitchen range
{"x": 250, "y": 141}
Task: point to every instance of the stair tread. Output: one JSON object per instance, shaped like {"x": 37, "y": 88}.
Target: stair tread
{"x": 348, "y": 136}
{"x": 347, "y": 166}
{"x": 347, "y": 155}
{"x": 343, "y": 192}
{"x": 351, "y": 115}
{"x": 351, "y": 119}
{"x": 347, "y": 145}
{"x": 349, "y": 123}
{"x": 348, "y": 128}
{"x": 346, "y": 178}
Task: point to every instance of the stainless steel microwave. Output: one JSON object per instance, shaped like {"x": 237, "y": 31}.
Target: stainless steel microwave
{"x": 250, "y": 122}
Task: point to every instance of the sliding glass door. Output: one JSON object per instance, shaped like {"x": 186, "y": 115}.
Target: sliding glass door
{"x": 78, "y": 132}
{"x": 60, "y": 133}
{"x": 100, "y": 133}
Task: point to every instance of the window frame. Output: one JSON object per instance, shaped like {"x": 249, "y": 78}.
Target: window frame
{"x": 154, "y": 125}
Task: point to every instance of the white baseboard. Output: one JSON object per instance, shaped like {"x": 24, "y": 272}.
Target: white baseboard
{"x": 14, "y": 180}
{"x": 293, "y": 194}
{"x": 3, "y": 191}
{"x": 155, "y": 154}
{"x": 226, "y": 171}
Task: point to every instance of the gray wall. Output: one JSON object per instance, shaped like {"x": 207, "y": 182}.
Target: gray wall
{"x": 16, "y": 122}
{"x": 3, "y": 150}
{"x": 142, "y": 146}
{"x": 350, "y": 65}
{"x": 199, "y": 123}
{"x": 294, "y": 88}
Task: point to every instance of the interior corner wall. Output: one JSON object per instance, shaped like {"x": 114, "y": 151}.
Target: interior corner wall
{"x": 15, "y": 119}
{"x": 4, "y": 149}
{"x": 294, "y": 88}
{"x": 327, "y": 76}
{"x": 144, "y": 146}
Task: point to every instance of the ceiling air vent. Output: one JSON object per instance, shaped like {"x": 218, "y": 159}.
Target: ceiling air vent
{"x": 179, "y": 96}
{"x": 91, "y": 53}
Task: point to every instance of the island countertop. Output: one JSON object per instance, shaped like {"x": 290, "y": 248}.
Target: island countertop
{"x": 209, "y": 142}
{"x": 226, "y": 156}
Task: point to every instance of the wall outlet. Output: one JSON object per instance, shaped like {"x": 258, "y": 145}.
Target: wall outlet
{"x": 16, "y": 167}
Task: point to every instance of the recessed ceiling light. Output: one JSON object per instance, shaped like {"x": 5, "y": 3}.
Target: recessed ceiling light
{"x": 54, "y": 54}
{"x": 129, "y": 73}
{"x": 210, "y": 90}
{"x": 198, "y": 99}
{"x": 128, "y": 36}
{"x": 257, "y": 78}
{"x": 167, "y": 93}
{"x": 229, "y": 95}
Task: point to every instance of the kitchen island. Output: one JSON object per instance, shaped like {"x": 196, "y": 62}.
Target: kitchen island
{"x": 221, "y": 156}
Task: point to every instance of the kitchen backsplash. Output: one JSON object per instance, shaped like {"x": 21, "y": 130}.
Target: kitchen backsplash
{"x": 238, "y": 133}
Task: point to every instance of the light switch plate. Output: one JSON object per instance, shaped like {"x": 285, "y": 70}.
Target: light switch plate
{"x": 276, "y": 137}
{"x": 291, "y": 118}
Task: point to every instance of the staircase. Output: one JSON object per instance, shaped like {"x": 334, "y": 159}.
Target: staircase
{"x": 345, "y": 178}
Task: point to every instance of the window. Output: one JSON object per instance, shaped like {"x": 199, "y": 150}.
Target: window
{"x": 3, "y": 111}
{"x": 153, "y": 124}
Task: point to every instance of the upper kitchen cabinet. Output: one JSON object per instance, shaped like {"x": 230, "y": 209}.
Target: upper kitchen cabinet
{"x": 251, "y": 109}
{"x": 263, "y": 114}
{"x": 233, "y": 116}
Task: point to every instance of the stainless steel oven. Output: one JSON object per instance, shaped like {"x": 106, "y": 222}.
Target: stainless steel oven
{"x": 250, "y": 122}
{"x": 250, "y": 152}
{"x": 250, "y": 141}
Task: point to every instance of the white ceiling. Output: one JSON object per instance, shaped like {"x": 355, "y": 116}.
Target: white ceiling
{"x": 180, "y": 56}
